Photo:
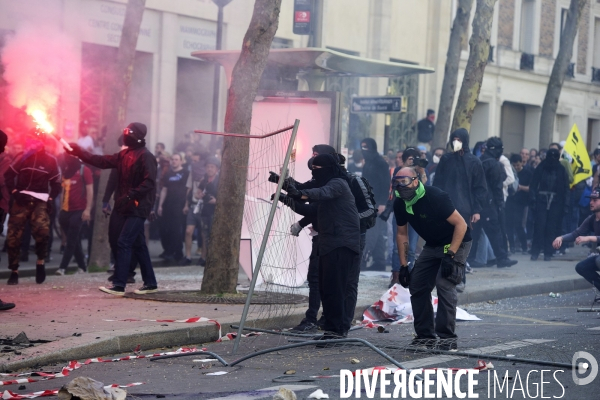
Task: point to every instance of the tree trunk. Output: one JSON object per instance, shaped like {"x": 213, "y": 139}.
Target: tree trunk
{"x": 479, "y": 51}
{"x": 116, "y": 108}
{"x": 222, "y": 261}
{"x": 444, "y": 113}
{"x": 559, "y": 70}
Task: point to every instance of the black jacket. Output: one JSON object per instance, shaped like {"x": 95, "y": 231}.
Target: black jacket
{"x": 36, "y": 172}
{"x": 460, "y": 174}
{"x": 210, "y": 190}
{"x": 549, "y": 176}
{"x": 136, "y": 175}
{"x": 425, "y": 130}
{"x": 376, "y": 171}
{"x": 337, "y": 216}
{"x": 495, "y": 175}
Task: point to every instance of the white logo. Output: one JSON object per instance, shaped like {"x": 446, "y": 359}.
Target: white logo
{"x": 582, "y": 368}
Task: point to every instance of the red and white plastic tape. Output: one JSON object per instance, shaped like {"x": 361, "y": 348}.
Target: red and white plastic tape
{"x": 8, "y": 395}
{"x": 182, "y": 321}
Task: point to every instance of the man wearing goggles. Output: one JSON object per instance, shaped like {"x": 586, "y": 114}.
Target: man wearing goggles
{"x": 441, "y": 264}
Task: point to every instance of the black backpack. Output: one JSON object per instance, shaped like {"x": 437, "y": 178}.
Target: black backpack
{"x": 365, "y": 201}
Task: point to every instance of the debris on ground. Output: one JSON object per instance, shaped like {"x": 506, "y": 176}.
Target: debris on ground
{"x": 554, "y": 295}
{"x": 21, "y": 338}
{"x": 290, "y": 372}
{"x": 318, "y": 394}
{"x": 284, "y": 394}
{"x": 354, "y": 361}
{"x": 85, "y": 388}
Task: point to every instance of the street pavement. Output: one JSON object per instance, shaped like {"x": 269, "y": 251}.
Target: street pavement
{"x": 536, "y": 328}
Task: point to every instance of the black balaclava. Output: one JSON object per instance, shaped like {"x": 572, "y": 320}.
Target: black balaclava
{"x": 494, "y": 147}
{"x": 371, "y": 145}
{"x": 72, "y": 165}
{"x": 329, "y": 169}
{"x": 323, "y": 149}
{"x": 3, "y": 141}
{"x": 135, "y": 138}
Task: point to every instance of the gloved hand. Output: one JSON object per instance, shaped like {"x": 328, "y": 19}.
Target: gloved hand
{"x": 273, "y": 177}
{"x": 293, "y": 192}
{"x": 282, "y": 198}
{"x": 77, "y": 151}
{"x": 295, "y": 229}
{"x": 404, "y": 276}
{"x": 385, "y": 215}
{"x": 447, "y": 266}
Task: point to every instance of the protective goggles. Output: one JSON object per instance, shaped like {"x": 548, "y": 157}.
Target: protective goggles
{"x": 402, "y": 180}
{"x": 127, "y": 131}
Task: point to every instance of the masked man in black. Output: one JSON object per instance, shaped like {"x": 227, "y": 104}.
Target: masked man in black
{"x": 135, "y": 196}
{"x": 333, "y": 204}
{"x": 441, "y": 264}
{"x": 3, "y": 140}
{"x": 493, "y": 209}
{"x": 547, "y": 193}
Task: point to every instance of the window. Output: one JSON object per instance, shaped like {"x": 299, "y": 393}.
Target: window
{"x": 527, "y": 26}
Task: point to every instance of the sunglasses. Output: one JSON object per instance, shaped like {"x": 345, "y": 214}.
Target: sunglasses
{"x": 403, "y": 180}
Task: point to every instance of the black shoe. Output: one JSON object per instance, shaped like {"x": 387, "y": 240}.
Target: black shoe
{"x": 507, "y": 262}
{"x": 304, "y": 327}
{"x": 62, "y": 249}
{"x": 40, "y": 273}
{"x": 547, "y": 258}
{"x": 6, "y": 306}
{"x": 201, "y": 262}
{"x": 168, "y": 258}
{"x": 428, "y": 343}
{"x": 321, "y": 323}
{"x": 13, "y": 279}
{"x": 447, "y": 344}
{"x": 329, "y": 336}
{"x": 476, "y": 264}
{"x": 187, "y": 261}
{"x": 24, "y": 257}
{"x": 116, "y": 290}
{"x": 491, "y": 263}
{"x": 146, "y": 290}
{"x": 534, "y": 257}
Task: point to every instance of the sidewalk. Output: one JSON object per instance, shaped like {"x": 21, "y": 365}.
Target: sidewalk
{"x": 65, "y": 306}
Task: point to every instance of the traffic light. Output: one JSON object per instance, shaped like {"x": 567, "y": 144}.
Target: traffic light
{"x": 303, "y": 17}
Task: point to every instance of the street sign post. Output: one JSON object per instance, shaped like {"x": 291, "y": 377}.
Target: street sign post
{"x": 382, "y": 104}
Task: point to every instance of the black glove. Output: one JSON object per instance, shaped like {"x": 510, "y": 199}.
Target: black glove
{"x": 385, "y": 215}
{"x": 282, "y": 197}
{"x": 77, "y": 151}
{"x": 447, "y": 266}
{"x": 273, "y": 177}
{"x": 293, "y": 193}
{"x": 404, "y": 276}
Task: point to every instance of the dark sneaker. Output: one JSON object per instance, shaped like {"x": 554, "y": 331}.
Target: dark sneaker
{"x": 146, "y": 290}
{"x": 187, "y": 261}
{"x": 304, "y": 327}
{"x": 13, "y": 279}
{"x": 491, "y": 263}
{"x": 425, "y": 343}
{"x": 40, "y": 273}
{"x": 507, "y": 262}
{"x": 329, "y": 336}
{"x": 534, "y": 257}
{"x": 201, "y": 262}
{"x": 116, "y": 290}
{"x": 447, "y": 345}
{"x": 321, "y": 323}
{"x": 6, "y": 306}
{"x": 547, "y": 258}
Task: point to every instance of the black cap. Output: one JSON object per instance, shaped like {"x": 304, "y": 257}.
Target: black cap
{"x": 139, "y": 130}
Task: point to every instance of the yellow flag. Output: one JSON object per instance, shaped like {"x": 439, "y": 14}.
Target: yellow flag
{"x": 580, "y": 164}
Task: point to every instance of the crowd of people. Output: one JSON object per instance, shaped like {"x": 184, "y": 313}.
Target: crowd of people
{"x": 46, "y": 189}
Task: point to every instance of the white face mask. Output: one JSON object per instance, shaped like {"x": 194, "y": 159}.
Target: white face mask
{"x": 457, "y": 145}
{"x": 436, "y": 159}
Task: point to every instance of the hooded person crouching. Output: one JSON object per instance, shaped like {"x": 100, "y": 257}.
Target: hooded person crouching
{"x": 339, "y": 240}
{"x": 135, "y": 196}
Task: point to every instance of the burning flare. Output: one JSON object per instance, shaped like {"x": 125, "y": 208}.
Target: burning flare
{"x": 41, "y": 119}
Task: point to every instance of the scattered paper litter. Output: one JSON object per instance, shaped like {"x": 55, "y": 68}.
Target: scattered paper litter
{"x": 205, "y": 360}
{"x": 285, "y": 394}
{"x": 218, "y": 373}
{"x": 318, "y": 394}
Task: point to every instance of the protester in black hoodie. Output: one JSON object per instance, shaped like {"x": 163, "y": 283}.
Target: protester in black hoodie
{"x": 135, "y": 196}
{"x": 376, "y": 172}
{"x": 547, "y": 193}
{"x": 493, "y": 207}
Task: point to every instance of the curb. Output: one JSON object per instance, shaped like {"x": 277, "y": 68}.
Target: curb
{"x": 78, "y": 348}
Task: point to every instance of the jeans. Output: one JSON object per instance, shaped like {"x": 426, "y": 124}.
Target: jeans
{"x": 588, "y": 269}
{"x": 132, "y": 242}
{"x": 490, "y": 223}
{"x": 71, "y": 223}
{"x": 375, "y": 246}
{"x": 424, "y": 277}
{"x": 413, "y": 238}
{"x": 484, "y": 251}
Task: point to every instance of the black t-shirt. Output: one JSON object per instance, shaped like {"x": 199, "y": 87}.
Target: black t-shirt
{"x": 522, "y": 197}
{"x": 175, "y": 182}
{"x": 430, "y": 217}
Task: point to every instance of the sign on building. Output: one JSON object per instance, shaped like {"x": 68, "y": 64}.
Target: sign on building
{"x": 383, "y": 104}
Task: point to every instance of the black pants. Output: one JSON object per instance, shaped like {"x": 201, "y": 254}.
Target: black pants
{"x": 71, "y": 223}
{"x": 490, "y": 223}
{"x": 588, "y": 268}
{"x": 336, "y": 271}
{"x": 423, "y": 278}
{"x": 546, "y": 226}
{"x": 375, "y": 247}
{"x": 172, "y": 225}
{"x": 515, "y": 225}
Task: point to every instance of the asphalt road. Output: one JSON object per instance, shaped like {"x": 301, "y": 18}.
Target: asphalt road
{"x": 537, "y": 328}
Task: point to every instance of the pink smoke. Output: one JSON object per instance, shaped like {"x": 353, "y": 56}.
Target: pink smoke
{"x": 39, "y": 61}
